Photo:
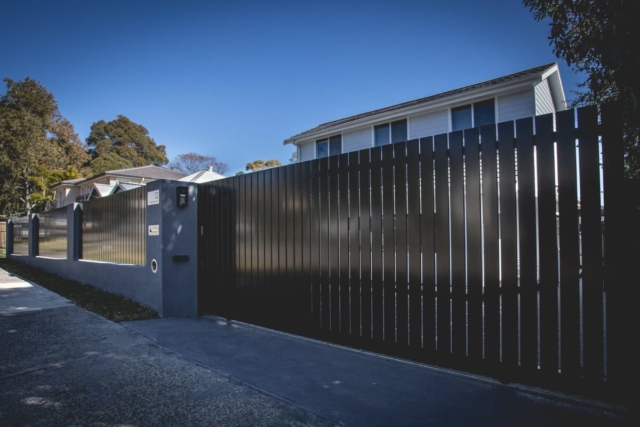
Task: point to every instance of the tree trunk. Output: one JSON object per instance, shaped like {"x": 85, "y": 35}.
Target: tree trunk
{"x": 27, "y": 196}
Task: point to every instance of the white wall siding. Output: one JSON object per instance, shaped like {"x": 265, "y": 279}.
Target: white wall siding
{"x": 357, "y": 140}
{"x": 307, "y": 151}
{"x": 516, "y": 106}
{"x": 429, "y": 124}
{"x": 544, "y": 102}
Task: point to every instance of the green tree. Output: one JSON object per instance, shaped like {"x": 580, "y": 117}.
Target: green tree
{"x": 109, "y": 162}
{"x": 32, "y": 134}
{"x": 72, "y": 151}
{"x": 126, "y": 139}
{"x": 192, "y": 162}
{"x": 42, "y": 179}
{"x": 258, "y": 165}
{"x": 599, "y": 38}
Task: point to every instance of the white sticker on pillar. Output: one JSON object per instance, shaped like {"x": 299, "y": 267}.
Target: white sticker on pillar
{"x": 154, "y": 230}
{"x": 153, "y": 197}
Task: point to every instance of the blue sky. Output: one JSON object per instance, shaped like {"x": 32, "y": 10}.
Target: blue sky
{"x": 233, "y": 79}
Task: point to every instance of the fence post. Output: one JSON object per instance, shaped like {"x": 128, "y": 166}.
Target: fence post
{"x": 172, "y": 246}
{"x": 9, "y": 238}
{"x": 631, "y": 257}
{"x": 33, "y": 235}
{"x": 74, "y": 227}
{"x": 616, "y": 233}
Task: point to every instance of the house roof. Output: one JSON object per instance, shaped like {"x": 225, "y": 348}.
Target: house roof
{"x": 150, "y": 171}
{"x": 74, "y": 181}
{"x": 127, "y": 186}
{"x": 202, "y": 176}
{"x": 103, "y": 189}
{"x": 146, "y": 172}
{"x": 521, "y": 75}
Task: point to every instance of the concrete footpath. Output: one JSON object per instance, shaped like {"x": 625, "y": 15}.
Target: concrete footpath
{"x": 60, "y": 365}
{"x": 63, "y": 366}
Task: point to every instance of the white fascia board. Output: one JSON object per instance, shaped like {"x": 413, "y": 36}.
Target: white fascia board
{"x": 93, "y": 179}
{"x": 550, "y": 71}
{"x": 449, "y": 102}
{"x": 110, "y": 177}
{"x": 557, "y": 91}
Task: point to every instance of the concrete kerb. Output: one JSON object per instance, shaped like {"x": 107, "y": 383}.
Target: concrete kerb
{"x": 571, "y": 399}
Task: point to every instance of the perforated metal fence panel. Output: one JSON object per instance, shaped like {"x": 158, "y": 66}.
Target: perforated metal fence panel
{"x": 52, "y": 233}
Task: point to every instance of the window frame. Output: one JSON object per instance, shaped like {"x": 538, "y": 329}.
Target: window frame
{"x": 327, "y": 140}
{"x": 389, "y": 125}
{"x": 473, "y": 112}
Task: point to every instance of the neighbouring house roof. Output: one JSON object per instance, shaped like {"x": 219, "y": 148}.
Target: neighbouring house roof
{"x": 102, "y": 189}
{"x": 511, "y": 78}
{"x": 202, "y": 176}
{"x": 142, "y": 172}
{"x": 125, "y": 187}
{"x": 74, "y": 181}
{"x": 150, "y": 171}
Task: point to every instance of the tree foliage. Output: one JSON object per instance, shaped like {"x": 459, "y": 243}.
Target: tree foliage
{"x": 600, "y": 38}
{"x": 33, "y": 136}
{"x": 126, "y": 139}
{"x": 109, "y": 162}
{"x": 258, "y": 165}
{"x": 71, "y": 150}
{"x": 192, "y": 162}
{"x": 41, "y": 179}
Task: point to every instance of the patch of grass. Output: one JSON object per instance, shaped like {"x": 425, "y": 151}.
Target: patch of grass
{"x": 113, "y": 307}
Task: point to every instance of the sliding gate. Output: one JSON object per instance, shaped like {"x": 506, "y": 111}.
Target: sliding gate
{"x": 481, "y": 250}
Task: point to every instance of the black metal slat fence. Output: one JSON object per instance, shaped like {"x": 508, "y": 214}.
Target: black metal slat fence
{"x": 463, "y": 249}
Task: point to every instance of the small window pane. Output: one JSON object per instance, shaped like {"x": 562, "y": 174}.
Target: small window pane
{"x": 399, "y": 131}
{"x": 484, "y": 113}
{"x": 322, "y": 148}
{"x": 335, "y": 145}
{"x": 382, "y": 136}
{"x": 461, "y": 117}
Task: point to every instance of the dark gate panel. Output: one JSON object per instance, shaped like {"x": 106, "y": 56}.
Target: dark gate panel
{"x": 491, "y": 249}
{"x": 548, "y": 238}
{"x": 480, "y": 250}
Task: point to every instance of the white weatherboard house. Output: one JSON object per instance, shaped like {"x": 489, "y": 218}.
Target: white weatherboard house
{"x": 109, "y": 182}
{"x": 527, "y": 93}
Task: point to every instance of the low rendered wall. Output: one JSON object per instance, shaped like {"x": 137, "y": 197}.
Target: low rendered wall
{"x": 166, "y": 283}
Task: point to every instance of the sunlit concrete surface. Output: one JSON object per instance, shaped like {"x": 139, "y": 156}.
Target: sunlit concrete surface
{"x": 18, "y": 296}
